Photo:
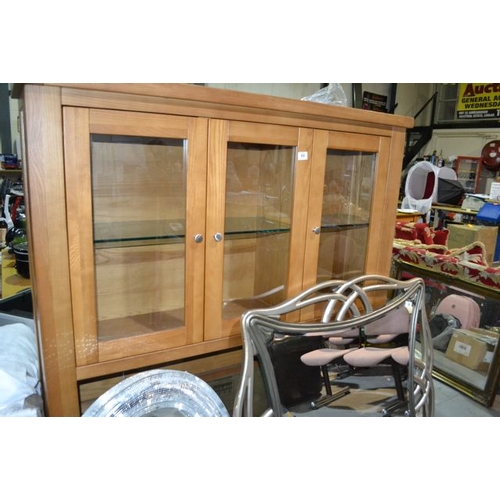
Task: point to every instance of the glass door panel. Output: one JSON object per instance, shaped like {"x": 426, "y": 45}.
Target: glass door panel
{"x": 345, "y": 217}
{"x": 139, "y": 221}
{"x": 136, "y": 238}
{"x": 259, "y": 183}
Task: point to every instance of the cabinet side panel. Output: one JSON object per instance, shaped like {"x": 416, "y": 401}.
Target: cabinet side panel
{"x": 45, "y": 200}
{"x": 384, "y": 210}
{"x": 79, "y": 206}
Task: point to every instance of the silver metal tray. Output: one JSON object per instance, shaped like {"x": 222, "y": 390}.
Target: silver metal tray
{"x": 159, "y": 393}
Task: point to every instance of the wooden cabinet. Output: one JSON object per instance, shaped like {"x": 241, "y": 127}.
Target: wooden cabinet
{"x": 160, "y": 212}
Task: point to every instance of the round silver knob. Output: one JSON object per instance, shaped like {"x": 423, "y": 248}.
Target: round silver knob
{"x": 198, "y": 238}
{"x": 316, "y": 230}
{"x": 218, "y": 237}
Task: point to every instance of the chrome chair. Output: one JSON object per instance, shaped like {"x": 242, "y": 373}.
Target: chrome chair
{"x": 348, "y": 305}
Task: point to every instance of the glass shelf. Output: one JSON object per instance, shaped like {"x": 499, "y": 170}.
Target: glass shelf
{"x": 135, "y": 233}
{"x": 241, "y": 227}
{"x": 342, "y": 222}
{"x": 132, "y": 233}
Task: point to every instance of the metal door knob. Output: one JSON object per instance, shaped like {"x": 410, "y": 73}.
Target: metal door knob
{"x": 218, "y": 237}
{"x": 198, "y": 238}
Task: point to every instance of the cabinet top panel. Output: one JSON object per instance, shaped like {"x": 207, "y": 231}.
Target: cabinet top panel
{"x": 221, "y": 99}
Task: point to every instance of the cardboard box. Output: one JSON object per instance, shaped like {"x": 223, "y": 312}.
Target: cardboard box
{"x": 472, "y": 348}
{"x": 490, "y": 338}
{"x": 464, "y": 234}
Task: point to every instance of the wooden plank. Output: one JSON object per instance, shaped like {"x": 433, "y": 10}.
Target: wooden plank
{"x": 245, "y": 100}
{"x": 80, "y": 237}
{"x": 151, "y": 104}
{"x": 155, "y": 358}
{"x": 208, "y": 367}
{"x": 196, "y": 197}
{"x": 315, "y": 208}
{"x": 395, "y": 150}
{"x": 216, "y": 197}
{"x": 46, "y": 209}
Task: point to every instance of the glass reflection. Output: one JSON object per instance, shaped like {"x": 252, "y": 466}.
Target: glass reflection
{"x": 347, "y": 199}
{"x": 139, "y": 200}
{"x": 259, "y": 180}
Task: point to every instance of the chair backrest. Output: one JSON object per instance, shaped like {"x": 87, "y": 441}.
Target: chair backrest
{"x": 396, "y": 322}
{"x": 465, "y": 309}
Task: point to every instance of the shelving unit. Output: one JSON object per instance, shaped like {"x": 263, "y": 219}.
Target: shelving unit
{"x": 469, "y": 174}
{"x": 179, "y": 207}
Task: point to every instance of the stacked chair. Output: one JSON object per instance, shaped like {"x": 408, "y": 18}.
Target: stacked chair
{"x": 369, "y": 349}
{"x": 357, "y": 329}
{"x": 461, "y": 312}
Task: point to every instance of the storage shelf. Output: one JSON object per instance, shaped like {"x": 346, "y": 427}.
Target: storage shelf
{"x": 11, "y": 171}
{"x": 132, "y": 326}
{"x": 134, "y": 233}
{"x": 343, "y": 222}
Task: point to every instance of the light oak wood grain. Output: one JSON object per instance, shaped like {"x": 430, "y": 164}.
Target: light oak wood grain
{"x": 112, "y": 298}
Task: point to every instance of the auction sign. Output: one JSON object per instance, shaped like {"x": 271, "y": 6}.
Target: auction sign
{"x": 478, "y": 101}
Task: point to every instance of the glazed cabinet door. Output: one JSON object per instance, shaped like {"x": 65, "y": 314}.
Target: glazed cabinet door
{"x": 257, "y": 193}
{"x": 350, "y": 214}
{"x": 136, "y": 187}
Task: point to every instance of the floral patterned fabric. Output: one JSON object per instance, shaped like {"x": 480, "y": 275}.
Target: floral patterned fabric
{"x": 468, "y": 263}
{"x": 422, "y": 232}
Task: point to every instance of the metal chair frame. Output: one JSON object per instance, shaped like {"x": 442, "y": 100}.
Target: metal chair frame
{"x": 341, "y": 299}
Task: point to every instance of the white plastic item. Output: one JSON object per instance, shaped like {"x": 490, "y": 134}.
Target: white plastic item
{"x": 421, "y": 187}
{"x": 20, "y": 391}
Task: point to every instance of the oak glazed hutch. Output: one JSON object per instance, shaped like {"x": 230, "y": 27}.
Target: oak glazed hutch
{"x": 158, "y": 213}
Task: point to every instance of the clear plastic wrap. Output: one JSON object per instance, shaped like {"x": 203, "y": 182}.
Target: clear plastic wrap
{"x": 20, "y": 390}
{"x": 332, "y": 94}
{"x": 159, "y": 393}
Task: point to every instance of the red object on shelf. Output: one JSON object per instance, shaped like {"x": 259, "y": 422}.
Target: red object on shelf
{"x": 490, "y": 155}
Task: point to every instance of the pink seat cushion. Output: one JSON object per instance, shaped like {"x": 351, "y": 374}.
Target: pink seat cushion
{"x": 321, "y": 357}
{"x": 383, "y": 339}
{"x": 368, "y": 356}
{"x": 395, "y": 323}
{"x": 401, "y": 355}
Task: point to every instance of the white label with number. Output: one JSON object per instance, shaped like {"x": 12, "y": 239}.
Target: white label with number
{"x": 462, "y": 348}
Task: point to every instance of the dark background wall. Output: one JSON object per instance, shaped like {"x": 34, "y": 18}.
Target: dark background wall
{"x": 6, "y": 145}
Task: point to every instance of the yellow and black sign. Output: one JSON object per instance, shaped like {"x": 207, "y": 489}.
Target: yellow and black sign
{"x": 478, "y": 101}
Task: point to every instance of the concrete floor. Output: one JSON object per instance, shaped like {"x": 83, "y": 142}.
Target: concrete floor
{"x": 370, "y": 392}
